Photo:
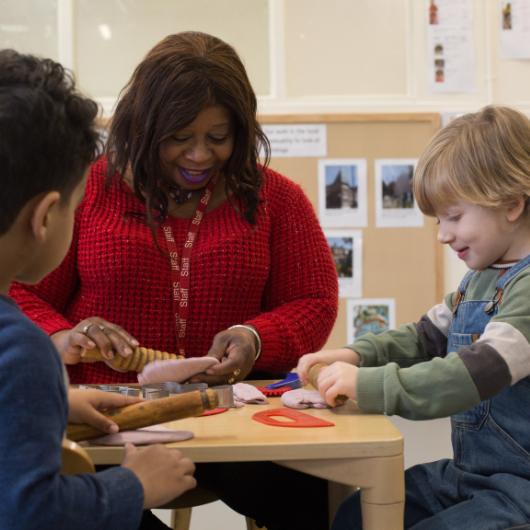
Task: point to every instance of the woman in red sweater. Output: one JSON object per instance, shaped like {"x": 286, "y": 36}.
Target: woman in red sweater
{"x": 180, "y": 200}
{"x": 184, "y": 243}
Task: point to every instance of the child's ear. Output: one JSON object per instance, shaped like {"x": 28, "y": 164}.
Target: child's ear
{"x": 516, "y": 209}
{"x": 44, "y": 209}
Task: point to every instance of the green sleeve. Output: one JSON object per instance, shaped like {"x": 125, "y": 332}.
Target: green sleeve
{"x": 433, "y": 389}
{"x": 401, "y": 346}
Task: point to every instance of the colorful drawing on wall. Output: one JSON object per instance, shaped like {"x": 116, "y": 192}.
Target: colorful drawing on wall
{"x": 342, "y": 192}
{"x": 369, "y": 315}
{"x": 433, "y": 13}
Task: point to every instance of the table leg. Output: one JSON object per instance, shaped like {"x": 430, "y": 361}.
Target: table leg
{"x": 381, "y": 480}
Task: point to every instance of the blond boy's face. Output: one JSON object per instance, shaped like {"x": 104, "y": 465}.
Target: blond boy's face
{"x": 53, "y": 249}
{"x": 479, "y": 236}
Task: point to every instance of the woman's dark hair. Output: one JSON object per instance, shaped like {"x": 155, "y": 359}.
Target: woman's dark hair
{"x": 179, "y": 77}
{"x": 47, "y": 132}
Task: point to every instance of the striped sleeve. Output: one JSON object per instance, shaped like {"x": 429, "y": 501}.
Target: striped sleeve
{"x": 501, "y": 356}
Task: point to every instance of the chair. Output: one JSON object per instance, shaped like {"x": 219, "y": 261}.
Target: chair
{"x": 76, "y": 460}
{"x": 181, "y": 508}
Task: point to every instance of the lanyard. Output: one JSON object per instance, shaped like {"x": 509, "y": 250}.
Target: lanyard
{"x": 180, "y": 268}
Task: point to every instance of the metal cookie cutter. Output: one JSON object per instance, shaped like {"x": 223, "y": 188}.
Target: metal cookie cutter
{"x": 181, "y": 388}
{"x": 158, "y": 390}
{"x": 129, "y": 391}
{"x": 225, "y": 395}
{"x": 110, "y": 388}
{"x": 154, "y": 391}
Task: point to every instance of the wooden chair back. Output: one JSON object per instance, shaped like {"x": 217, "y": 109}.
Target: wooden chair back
{"x": 75, "y": 459}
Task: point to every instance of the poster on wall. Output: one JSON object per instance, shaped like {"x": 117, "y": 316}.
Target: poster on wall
{"x": 369, "y": 315}
{"x": 297, "y": 140}
{"x": 346, "y": 249}
{"x": 514, "y": 18}
{"x": 342, "y": 193}
{"x": 450, "y": 53}
{"x": 394, "y": 201}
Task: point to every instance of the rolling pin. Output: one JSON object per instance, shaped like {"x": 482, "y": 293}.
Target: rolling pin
{"x": 312, "y": 376}
{"x": 135, "y": 362}
{"x": 150, "y": 412}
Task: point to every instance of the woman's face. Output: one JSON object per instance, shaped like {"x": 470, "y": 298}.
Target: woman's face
{"x": 192, "y": 155}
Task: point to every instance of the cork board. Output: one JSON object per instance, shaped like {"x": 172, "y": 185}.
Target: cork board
{"x": 401, "y": 263}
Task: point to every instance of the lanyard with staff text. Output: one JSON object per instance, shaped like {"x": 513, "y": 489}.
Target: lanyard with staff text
{"x": 180, "y": 269}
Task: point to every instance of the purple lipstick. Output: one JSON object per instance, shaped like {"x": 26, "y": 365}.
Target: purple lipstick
{"x": 195, "y": 177}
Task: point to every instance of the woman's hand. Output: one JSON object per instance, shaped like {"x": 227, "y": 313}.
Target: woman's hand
{"x": 85, "y": 406}
{"x": 325, "y": 357}
{"x": 236, "y": 351}
{"x": 93, "y": 332}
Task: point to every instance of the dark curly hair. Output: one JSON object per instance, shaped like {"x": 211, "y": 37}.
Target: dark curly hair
{"x": 179, "y": 77}
{"x": 47, "y": 132}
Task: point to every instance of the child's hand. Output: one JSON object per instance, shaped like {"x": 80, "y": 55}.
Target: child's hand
{"x": 326, "y": 357}
{"x": 91, "y": 333}
{"x": 339, "y": 378}
{"x": 85, "y": 404}
{"x": 164, "y": 473}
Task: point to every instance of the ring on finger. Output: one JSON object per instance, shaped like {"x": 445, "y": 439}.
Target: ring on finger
{"x": 86, "y": 327}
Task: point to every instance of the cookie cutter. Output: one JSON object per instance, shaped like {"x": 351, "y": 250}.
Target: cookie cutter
{"x": 225, "y": 395}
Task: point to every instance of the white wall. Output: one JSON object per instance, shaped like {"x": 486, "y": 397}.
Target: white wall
{"x": 301, "y": 55}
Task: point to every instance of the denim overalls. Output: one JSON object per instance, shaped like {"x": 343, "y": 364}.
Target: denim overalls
{"x": 487, "y": 485}
{"x": 500, "y": 425}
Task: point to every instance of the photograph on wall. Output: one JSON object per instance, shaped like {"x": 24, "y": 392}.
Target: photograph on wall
{"x": 370, "y": 315}
{"x": 346, "y": 249}
{"x": 515, "y": 29}
{"x": 394, "y": 201}
{"x": 342, "y": 192}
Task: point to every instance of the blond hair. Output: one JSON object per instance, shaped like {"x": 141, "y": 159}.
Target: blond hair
{"x": 482, "y": 158}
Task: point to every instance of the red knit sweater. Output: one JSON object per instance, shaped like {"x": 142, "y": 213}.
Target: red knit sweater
{"x": 277, "y": 275}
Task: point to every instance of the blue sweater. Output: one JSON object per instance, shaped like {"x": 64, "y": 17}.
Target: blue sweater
{"x": 33, "y": 417}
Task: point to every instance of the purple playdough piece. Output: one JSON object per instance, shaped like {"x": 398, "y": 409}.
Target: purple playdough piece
{"x": 154, "y": 434}
{"x": 177, "y": 370}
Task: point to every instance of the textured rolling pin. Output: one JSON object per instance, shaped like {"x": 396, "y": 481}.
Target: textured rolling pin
{"x": 150, "y": 413}
{"x": 313, "y": 374}
{"x": 134, "y": 363}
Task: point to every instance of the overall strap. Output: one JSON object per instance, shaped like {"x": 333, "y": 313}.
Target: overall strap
{"x": 503, "y": 280}
{"x": 512, "y": 272}
{"x": 462, "y": 289}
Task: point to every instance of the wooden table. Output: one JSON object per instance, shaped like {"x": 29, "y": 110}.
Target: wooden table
{"x": 361, "y": 450}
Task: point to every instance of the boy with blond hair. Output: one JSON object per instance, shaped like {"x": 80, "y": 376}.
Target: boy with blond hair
{"x": 468, "y": 357}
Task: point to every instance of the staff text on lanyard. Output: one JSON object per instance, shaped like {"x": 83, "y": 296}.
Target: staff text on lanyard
{"x": 180, "y": 268}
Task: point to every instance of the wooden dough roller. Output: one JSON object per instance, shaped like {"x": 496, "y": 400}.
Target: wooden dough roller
{"x": 312, "y": 376}
{"x": 150, "y": 412}
{"x": 135, "y": 362}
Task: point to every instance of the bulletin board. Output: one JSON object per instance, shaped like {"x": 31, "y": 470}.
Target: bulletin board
{"x": 400, "y": 263}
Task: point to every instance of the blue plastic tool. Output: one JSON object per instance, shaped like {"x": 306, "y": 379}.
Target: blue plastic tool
{"x": 292, "y": 381}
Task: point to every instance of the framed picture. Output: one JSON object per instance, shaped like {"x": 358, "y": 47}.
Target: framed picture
{"x": 395, "y": 205}
{"x": 369, "y": 315}
{"x": 346, "y": 249}
{"x": 342, "y": 192}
